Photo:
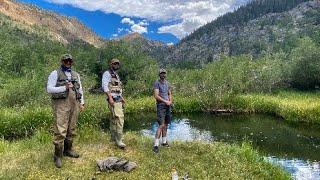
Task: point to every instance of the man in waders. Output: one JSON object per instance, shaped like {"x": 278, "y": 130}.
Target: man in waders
{"x": 163, "y": 96}
{"x": 112, "y": 86}
{"x": 64, "y": 85}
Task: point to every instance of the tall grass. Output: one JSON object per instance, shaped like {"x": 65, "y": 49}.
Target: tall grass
{"x": 23, "y": 122}
{"x": 290, "y": 105}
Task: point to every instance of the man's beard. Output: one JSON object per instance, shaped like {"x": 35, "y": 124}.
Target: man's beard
{"x": 162, "y": 77}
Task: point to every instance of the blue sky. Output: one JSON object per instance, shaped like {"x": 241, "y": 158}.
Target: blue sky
{"x": 164, "y": 20}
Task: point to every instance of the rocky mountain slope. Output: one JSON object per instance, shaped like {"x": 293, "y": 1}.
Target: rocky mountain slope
{"x": 269, "y": 32}
{"x": 61, "y": 28}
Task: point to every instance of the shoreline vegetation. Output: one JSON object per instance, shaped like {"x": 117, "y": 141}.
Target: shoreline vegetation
{"x": 30, "y": 159}
{"x": 292, "y": 106}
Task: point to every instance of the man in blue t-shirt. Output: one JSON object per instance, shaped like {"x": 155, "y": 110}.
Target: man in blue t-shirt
{"x": 163, "y": 96}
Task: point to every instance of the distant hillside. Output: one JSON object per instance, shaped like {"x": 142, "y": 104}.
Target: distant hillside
{"x": 60, "y": 28}
{"x": 155, "y": 49}
{"x": 262, "y": 25}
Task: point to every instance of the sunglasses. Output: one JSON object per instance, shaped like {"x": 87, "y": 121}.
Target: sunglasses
{"x": 116, "y": 63}
{"x": 68, "y": 60}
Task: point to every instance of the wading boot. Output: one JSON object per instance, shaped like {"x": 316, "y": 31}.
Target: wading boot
{"x": 121, "y": 145}
{"x": 68, "y": 149}
{"x": 119, "y": 142}
{"x": 58, "y": 149}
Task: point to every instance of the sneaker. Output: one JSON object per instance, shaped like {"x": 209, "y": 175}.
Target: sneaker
{"x": 155, "y": 149}
{"x": 165, "y": 144}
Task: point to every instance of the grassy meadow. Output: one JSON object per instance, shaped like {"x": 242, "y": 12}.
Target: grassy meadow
{"x": 32, "y": 158}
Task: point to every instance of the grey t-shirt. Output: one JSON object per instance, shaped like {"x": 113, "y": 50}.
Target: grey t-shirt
{"x": 163, "y": 87}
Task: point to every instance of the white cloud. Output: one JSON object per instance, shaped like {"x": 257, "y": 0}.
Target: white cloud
{"x": 114, "y": 35}
{"x": 143, "y": 23}
{"x": 188, "y": 14}
{"x": 127, "y": 21}
{"x": 139, "y": 29}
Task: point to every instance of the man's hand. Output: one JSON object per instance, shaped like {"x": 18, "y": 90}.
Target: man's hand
{"x": 109, "y": 98}
{"x": 81, "y": 107}
{"x": 123, "y": 101}
{"x": 168, "y": 103}
{"x": 69, "y": 85}
{"x": 111, "y": 101}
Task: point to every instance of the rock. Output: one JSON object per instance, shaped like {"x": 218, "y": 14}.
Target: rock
{"x": 117, "y": 164}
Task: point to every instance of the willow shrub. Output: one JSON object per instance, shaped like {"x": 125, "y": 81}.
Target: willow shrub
{"x": 229, "y": 76}
{"x": 306, "y": 69}
{"x": 18, "y": 92}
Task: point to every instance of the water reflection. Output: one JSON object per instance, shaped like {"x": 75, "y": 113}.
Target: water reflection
{"x": 181, "y": 130}
{"x": 294, "y": 147}
{"x": 299, "y": 169}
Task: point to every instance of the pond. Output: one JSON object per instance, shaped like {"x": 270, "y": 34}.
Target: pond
{"x": 294, "y": 147}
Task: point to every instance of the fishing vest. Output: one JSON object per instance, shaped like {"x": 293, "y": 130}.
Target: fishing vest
{"x": 62, "y": 81}
{"x": 115, "y": 85}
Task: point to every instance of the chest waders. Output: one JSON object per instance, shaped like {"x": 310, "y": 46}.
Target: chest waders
{"x": 66, "y": 111}
{"x": 117, "y": 119}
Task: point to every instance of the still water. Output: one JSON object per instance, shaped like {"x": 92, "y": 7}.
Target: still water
{"x": 294, "y": 147}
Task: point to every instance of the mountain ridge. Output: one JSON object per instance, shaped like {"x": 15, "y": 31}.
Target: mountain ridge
{"x": 254, "y": 37}
{"x": 60, "y": 28}
{"x": 268, "y": 32}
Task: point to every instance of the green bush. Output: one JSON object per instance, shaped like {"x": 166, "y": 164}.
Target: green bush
{"x": 306, "y": 70}
{"x": 20, "y": 91}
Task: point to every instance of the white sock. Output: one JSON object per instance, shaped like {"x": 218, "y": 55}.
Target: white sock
{"x": 164, "y": 140}
{"x": 156, "y": 142}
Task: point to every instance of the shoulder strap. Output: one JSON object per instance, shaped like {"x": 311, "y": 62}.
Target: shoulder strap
{"x": 74, "y": 75}
{"x": 114, "y": 74}
{"x": 61, "y": 75}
